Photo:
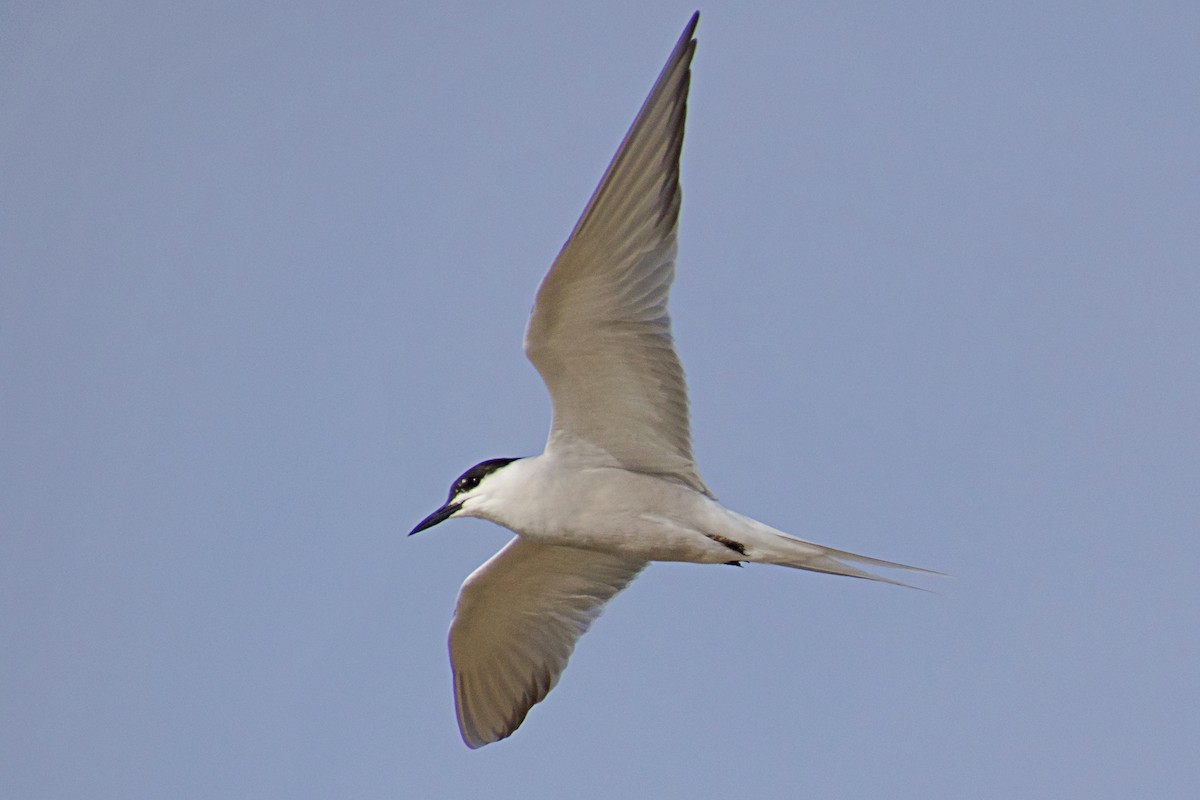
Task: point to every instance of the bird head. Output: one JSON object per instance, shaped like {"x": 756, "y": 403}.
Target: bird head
{"x": 464, "y": 487}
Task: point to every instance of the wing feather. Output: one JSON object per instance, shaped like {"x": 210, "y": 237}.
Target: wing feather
{"x": 516, "y": 623}
{"x": 599, "y": 334}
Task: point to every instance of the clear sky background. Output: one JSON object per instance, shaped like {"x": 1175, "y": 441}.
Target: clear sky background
{"x": 264, "y": 272}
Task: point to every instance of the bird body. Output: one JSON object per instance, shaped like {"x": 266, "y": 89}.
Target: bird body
{"x": 646, "y": 517}
{"x": 637, "y": 515}
{"x": 616, "y": 486}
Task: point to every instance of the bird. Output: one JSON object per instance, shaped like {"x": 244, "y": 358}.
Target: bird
{"x": 616, "y": 486}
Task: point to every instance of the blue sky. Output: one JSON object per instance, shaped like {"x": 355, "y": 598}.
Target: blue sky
{"x": 264, "y": 272}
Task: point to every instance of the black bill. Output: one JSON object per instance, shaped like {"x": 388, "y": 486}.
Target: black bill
{"x": 441, "y": 515}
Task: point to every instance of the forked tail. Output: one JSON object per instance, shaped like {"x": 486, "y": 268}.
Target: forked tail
{"x": 771, "y": 546}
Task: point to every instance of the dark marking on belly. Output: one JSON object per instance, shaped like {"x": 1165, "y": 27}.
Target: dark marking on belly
{"x": 736, "y": 547}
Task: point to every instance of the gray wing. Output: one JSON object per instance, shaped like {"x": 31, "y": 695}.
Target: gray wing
{"x": 516, "y": 623}
{"x": 599, "y": 333}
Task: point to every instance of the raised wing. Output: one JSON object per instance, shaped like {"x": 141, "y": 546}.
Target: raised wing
{"x": 599, "y": 333}
{"x": 517, "y": 621}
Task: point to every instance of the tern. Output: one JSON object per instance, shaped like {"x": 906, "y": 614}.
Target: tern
{"x": 616, "y": 487}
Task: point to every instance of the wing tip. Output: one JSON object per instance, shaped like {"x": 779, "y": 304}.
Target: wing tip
{"x": 475, "y": 729}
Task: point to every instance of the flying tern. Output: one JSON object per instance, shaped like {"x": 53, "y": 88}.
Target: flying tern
{"x": 616, "y": 487}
